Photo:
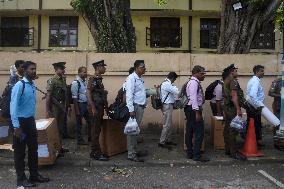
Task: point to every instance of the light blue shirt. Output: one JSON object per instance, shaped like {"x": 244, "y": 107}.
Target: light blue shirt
{"x": 255, "y": 91}
{"x": 135, "y": 91}
{"x": 23, "y": 102}
{"x": 169, "y": 92}
{"x": 82, "y": 91}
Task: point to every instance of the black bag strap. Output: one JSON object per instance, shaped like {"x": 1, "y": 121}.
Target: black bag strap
{"x": 24, "y": 85}
{"x": 161, "y": 92}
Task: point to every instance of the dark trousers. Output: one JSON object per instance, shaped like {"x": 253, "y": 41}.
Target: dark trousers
{"x": 83, "y": 108}
{"x": 96, "y": 130}
{"x": 193, "y": 128}
{"x": 257, "y": 123}
{"x": 28, "y": 127}
{"x": 213, "y": 108}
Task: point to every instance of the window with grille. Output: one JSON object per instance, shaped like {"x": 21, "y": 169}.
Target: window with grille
{"x": 15, "y": 32}
{"x": 265, "y": 38}
{"x": 164, "y": 32}
{"x": 209, "y": 32}
{"x": 63, "y": 31}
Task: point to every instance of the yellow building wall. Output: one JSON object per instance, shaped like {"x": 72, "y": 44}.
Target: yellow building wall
{"x": 19, "y": 4}
{"x": 56, "y": 4}
{"x": 152, "y": 4}
{"x": 85, "y": 39}
{"x": 141, "y": 22}
{"x": 206, "y": 5}
{"x": 33, "y": 22}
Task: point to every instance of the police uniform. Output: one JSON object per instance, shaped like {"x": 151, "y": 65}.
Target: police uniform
{"x": 58, "y": 88}
{"x": 99, "y": 98}
{"x": 275, "y": 89}
{"x": 230, "y": 111}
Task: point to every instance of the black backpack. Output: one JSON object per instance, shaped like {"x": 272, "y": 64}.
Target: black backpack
{"x": 6, "y": 97}
{"x": 118, "y": 110}
{"x": 210, "y": 90}
{"x": 69, "y": 92}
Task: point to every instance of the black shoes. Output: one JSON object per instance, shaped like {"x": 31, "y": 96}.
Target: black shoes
{"x": 67, "y": 137}
{"x": 39, "y": 179}
{"x": 201, "y": 159}
{"x": 189, "y": 156}
{"x": 82, "y": 142}
{"x": 238, "y": 156}
{"x": 142, "y": 153}
{"x": 171, "y": 143}
{"x": 100, "y": 157}
{"x": 164, "y": 146}
{"x": 135, "y": 159}
{"x": 25, "y": 183}
{"x": 227, "y": 153}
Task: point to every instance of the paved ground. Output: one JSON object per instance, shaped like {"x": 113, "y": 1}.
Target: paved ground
{"x": 163, "y": 169}
{"x": 159, "y": 177}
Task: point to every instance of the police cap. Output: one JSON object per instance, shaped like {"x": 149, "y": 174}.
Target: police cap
{"x": 230, "y": 68}
{"x": 59, "y": 65}
{"x": 99, "y": 63}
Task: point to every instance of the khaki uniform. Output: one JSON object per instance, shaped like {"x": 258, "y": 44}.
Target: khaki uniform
{"x": 58, "y": 89}
{"x": 99, "y": 96}
{"x": 230, "y": 113}
{"x": 276, "y": 89}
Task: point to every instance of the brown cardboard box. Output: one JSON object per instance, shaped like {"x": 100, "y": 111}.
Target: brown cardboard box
{"x": 217, "y": 129}
{"x": 49, "y": 142}
{"x": 184, "y": 145}
{"x": 112, "y": 139}
{"x": 4, "y": 130}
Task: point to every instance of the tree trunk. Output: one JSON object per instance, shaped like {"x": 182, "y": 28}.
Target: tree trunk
{"x": 110, "y": 24}
{"x": 238, "y": 27}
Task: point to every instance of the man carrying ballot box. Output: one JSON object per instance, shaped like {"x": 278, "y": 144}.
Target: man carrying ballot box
{"x": 255, "y": 93}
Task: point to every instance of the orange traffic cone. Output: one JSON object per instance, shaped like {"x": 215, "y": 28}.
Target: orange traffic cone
{"x": 250, "y": 147}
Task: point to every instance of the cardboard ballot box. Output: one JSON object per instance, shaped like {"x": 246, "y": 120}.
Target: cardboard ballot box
{"x": 217, "y": 129}
{"x": 112, "y": 139}
{"x": 4, "y": 130}
{"x": 184, "y": 145}
{"x": 49, "y": 142}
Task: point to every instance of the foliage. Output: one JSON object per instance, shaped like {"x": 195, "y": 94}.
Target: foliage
{"x": 279, "y": 18}
{"x": 161, "y": 2}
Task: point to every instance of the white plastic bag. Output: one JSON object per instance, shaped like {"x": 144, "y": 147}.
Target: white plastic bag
{"x": 238, "y": 123}
{"x": 131, "y": 127}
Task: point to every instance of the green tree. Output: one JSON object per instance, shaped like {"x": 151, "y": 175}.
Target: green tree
{"x": 109, "y": 22}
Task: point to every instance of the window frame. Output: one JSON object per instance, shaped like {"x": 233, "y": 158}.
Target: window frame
{"x": 11, "y": 23}
{"x": 67, "y": 28}
{"x": 157, "y": 29}
{"x": 209, "y": 23}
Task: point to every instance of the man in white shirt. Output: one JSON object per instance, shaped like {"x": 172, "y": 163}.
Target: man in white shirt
{"x": 79, "y": 96}
{"x": 216, "y": 102}
{"x": 256, "y": 94}
{"x": 169, "y": 93}
{"x": 136, "y": 103}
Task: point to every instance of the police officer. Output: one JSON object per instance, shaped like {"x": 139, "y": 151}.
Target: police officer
{"x": 97, "y": 100}
{"x": 275, "y": 91}
{"x": 233, "y": 101}
{"x": 56, "y": 100}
